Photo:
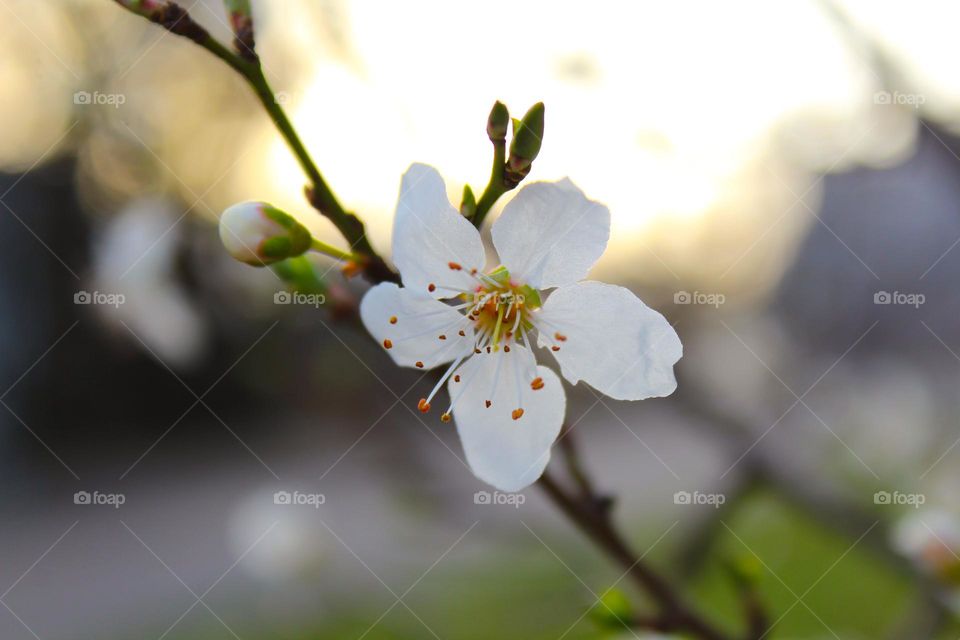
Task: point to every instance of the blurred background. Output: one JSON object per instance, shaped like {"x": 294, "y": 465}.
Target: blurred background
{"x": 784, "y": 181}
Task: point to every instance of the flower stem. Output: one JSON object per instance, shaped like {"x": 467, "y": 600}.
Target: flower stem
{"x": 333, "y": 252}
{"x": 495, "y": 187}
{"x": 319, "y": 193}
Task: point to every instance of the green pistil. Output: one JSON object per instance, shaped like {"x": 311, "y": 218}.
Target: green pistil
{"x": 496, "y": 328}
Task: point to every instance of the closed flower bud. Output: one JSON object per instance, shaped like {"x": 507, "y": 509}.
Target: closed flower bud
{"x": 527, "y": 138}
{"x": 238, "y": 6}
{"x": 259, "y": 234}
{"x": 241, "y": 19}
{"x": 168, "y": 15}
{"x": 497, "y": 122}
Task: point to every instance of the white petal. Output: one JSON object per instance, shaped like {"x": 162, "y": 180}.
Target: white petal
{"x": 429, "y": 234}
{"x": 411, "y": 337}
{"x": 506, "y": 453}
{"x": 615, "y": 343}
{"x": 550, "y": 234}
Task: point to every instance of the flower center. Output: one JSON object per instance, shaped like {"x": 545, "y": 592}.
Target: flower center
{"x": 502, "y": 314}
{"x": 500, "y": 309}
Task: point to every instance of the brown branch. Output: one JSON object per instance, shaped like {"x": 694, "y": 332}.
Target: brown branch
{"x": 595, "y": 521}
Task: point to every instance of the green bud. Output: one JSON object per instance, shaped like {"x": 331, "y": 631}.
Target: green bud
{"x": 260, "y": 234}
{"x": 745, "y": 570}
{"x": 527, "y": 138}
{"x": 497, "y": 122}
{"x": 468, "y": 206}
{"x": 613, "y": 610}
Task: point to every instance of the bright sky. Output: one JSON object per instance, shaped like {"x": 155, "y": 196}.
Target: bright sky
{"x": 689, "y": 119}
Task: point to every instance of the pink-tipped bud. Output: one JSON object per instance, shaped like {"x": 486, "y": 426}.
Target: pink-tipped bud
{"x": 259, "y": 234}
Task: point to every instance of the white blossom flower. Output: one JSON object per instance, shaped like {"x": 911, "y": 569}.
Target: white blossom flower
{"x": 508, "y": 409}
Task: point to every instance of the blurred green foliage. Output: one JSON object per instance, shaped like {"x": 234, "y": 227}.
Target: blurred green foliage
{"x": 847, "y": 591}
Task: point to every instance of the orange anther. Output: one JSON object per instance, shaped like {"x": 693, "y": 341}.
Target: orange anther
{"x": 431, "y": 287}
{"x": 419, "y": 364}
{"x": 516, "y": 414}
{"x": 423, "y": 405}
{"x": 506, "y": 348}
{"x": 351, "y": 268}
{"x": 560, "y": 337}
{"x": 442, "y": 336}
{"x": 454, "y": 266}
{"x": 387, "y": 344}
{"x": 488, "y": 403}
{"x": 445, "y": 417}
{"x": 555, "y": 348}
{"x": 393, "y": 319}
{"x": 456, "y": 378}
{"x": 537, "y": 384}
{"x": 462, "y": 334}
